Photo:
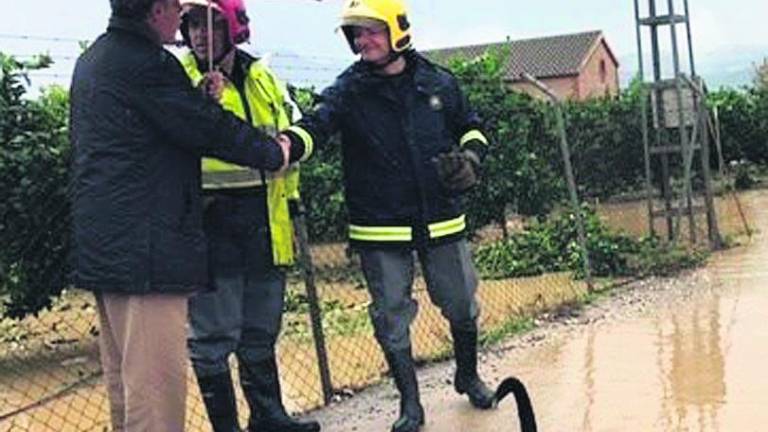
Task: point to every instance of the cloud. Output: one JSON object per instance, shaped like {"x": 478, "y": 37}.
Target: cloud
{"x": 723, "y": 26}
{"x": 709, "y": 31}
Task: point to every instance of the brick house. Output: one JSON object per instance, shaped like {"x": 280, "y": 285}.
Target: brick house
{"x": 575, "y": 66}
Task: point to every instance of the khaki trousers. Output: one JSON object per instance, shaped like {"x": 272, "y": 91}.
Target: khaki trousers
{"x": 143, "y": 355}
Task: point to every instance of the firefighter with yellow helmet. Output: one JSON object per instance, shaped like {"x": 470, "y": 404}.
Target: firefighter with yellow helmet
{"x": 248, "y": 229}
{"x": 411, "y": 146}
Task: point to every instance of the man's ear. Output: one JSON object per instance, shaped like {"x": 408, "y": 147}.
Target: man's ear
{"x": 156, "y": 10}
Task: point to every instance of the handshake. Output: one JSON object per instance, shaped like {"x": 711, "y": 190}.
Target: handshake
{"x": 213, "y": 84}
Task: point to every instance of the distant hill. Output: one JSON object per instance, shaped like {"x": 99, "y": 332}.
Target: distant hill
{"x": 728, "y": 67}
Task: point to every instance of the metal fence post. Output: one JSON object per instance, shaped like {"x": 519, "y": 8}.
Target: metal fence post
{"x": 315, "y": 314}
{"x": 568, "y": 174}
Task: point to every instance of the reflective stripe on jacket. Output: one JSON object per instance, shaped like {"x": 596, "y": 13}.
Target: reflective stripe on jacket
{"x": 267, "y": 111}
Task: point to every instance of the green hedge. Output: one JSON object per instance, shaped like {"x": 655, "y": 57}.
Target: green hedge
{"x": 34, "y": 217}
{"x": 743, "y": 118}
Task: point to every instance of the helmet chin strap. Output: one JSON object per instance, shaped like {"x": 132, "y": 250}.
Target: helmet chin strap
{"x": 391, "y": 58}
{"x": 213, "y": 63}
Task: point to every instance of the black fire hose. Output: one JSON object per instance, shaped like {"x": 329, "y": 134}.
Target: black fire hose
{"x": 524, "y": 407}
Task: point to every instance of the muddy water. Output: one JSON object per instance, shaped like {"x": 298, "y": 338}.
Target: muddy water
{"x": 632, "y": 217}
{"x": 695, "y": 367}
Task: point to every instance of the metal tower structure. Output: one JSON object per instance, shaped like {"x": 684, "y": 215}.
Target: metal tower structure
{"x": 679, "y": 128}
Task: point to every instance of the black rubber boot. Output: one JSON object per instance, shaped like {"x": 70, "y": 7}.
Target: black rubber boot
{"x": 403, "y": 371}
{"x": 261, "y": 386}
{"x": 219, "y": 399}
{"x": 467, "y": 381}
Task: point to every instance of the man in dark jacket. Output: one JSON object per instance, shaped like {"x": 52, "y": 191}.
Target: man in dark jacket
{"x": 138, "y": 130}
{"x": 411, "y": 145}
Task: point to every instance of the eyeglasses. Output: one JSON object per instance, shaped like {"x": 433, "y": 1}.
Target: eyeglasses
{"x": 360, "y": 31}
{"x": 198, "y": 22}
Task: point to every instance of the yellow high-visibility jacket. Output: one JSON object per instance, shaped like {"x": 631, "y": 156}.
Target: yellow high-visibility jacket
{"x": 266, "y": 108}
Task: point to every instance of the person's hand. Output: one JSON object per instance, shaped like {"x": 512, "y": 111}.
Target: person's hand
{"x": 213, "y": 84}
{"x": 285, "y": 145}
{"x": 458, "y": 170}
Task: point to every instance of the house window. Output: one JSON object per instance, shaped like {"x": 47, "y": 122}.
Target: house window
{"x": 603, "y": 72}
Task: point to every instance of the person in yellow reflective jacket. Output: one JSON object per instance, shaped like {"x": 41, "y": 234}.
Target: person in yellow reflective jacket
{"x": 411, "y": 145}
{"x": 248, "y": 228}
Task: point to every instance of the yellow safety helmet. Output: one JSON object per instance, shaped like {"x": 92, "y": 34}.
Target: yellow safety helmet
{"x": 392, "y": 13}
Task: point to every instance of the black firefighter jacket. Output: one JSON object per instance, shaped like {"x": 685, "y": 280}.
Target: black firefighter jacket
{"x": 391, "y": 130}
{"x": 138, "y": 130}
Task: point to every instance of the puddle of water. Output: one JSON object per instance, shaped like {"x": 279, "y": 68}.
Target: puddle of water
{"x": 695, "y": 367}
{"x": 632, "y": 217}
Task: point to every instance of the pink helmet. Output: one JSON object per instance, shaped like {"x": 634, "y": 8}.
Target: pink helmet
{"x": 232, "y": 10}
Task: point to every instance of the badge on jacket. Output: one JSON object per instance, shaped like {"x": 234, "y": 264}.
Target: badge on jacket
{"x": 435, "y": 103}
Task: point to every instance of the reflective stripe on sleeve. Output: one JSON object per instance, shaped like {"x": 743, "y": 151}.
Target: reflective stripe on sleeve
{"x": 474, "y": 134}
{"x": 309, "y": 143}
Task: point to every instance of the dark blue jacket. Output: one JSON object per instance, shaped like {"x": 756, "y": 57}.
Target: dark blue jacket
{"x": 138, "y": 130}
{"x": 391, "y": 130}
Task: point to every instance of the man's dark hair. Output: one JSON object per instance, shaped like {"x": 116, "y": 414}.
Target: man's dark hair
{"x": 132, "y": 9}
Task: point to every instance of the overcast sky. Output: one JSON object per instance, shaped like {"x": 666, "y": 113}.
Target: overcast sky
{"x": 306, "y": 27}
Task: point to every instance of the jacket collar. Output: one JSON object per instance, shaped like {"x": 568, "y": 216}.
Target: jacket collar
{"x": 421, "y": 69}
{"x": 424, "y": 74}
{"x": 134, "y": 27}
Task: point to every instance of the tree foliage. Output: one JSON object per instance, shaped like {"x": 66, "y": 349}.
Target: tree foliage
{"x": 33, "y": 190}
{"x": 761, "y": 75}
{"x": 743, "y": 118}
{"x": 521, "y": 170}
